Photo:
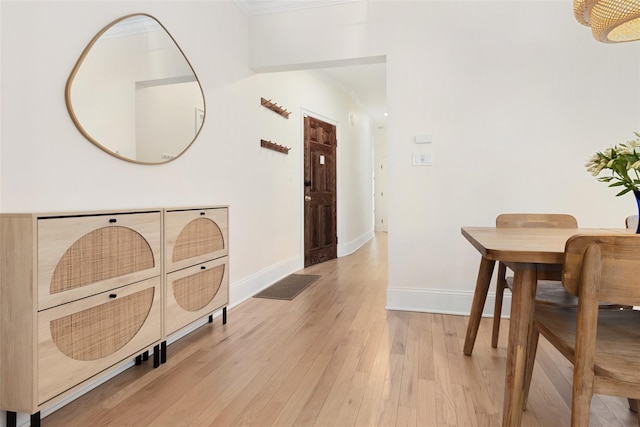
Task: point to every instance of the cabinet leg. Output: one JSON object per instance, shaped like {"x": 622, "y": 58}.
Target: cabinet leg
{"x": 35, "y": 419}
{"x": 12, "y": 419}
{"x": 163, "y": 352}
{"x": 142, "y": 357}
{"x": 224, "y": 315}
{"x": 156, "y": 356}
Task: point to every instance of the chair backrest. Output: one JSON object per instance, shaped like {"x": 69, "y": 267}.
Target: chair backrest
{"x": 631, "y": 222}
{"x": 536, "y": 220}
{"x": 607, "y": 265}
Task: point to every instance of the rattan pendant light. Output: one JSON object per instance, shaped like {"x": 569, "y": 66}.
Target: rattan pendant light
{"x": 611, "y": 21}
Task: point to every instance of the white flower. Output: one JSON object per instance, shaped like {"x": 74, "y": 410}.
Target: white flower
{"x": 624, "y": 162}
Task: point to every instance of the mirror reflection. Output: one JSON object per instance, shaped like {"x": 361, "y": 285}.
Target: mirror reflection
{"x": 134, "y": 94}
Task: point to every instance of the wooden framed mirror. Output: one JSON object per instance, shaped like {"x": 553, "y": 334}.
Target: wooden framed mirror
{"x": 134, "y": 94}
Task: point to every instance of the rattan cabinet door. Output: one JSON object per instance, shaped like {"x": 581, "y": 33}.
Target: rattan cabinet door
{"x": 195, "y": 292}
{"x": 194, "y": 236}
{"x": 79, "y": 256}
{"x": 82, "y": 338}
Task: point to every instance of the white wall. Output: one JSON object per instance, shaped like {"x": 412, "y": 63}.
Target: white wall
{"x": 516, "y": 94}
{"x": 46, "y": 164}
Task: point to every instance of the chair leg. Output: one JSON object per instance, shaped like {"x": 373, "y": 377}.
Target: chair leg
{"x": 497, "y": 310}
{"x": 532, "y": 349}
{"x": 633, "y": 406}
{"x": 582, "y": 392}
{"x": 580, "y": 410}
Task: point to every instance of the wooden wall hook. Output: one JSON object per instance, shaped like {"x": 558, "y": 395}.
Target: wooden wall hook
{"x": 275, "y": 147}
{"x": 274, "y": 107}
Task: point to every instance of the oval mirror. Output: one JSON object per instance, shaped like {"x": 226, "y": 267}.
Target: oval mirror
{"x": 134, "y": 94}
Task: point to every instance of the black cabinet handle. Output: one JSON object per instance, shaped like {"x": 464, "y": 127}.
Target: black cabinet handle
{"x": 113, "y": 220}
{"x": 202, "y": 213}
{"x": 112, "y": 296}
{"x": 203, "y": 268}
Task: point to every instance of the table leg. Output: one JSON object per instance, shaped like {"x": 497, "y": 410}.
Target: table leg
{"x": 479, "y": 297}
{"x": 520, "y": 327}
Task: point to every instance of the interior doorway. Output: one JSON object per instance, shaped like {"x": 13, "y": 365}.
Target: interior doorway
{"x": 320, "y": 224}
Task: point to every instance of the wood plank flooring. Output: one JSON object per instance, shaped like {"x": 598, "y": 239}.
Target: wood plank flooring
{"x": 333, "y": 357}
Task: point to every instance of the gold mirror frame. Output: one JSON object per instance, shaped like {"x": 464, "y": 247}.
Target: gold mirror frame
{"x": 197, "y": 116}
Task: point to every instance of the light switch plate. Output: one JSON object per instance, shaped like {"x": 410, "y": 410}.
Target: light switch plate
{"x": 422, "y": 159}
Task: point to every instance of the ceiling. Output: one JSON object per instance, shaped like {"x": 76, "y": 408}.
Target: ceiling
{"x": 366, "y": 82}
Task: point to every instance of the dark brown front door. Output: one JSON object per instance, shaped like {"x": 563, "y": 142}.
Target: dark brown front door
{"x": 320, "y": 232}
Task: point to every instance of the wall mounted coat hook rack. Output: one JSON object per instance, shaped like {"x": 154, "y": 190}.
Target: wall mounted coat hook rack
{"x": 275, "y": 147}
{"x": 274, "y": 107}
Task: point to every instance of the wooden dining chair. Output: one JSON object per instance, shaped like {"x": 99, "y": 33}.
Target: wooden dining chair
{"x": 603, "y": 345}
{"x": 548, "y": 291}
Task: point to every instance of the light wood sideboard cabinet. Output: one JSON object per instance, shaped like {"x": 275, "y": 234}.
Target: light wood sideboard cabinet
{"x": 196, "y": 265}
{"x": 80, "y": 293}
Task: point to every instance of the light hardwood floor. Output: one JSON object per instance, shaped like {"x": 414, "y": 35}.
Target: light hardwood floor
{"x": 333, "y": 357}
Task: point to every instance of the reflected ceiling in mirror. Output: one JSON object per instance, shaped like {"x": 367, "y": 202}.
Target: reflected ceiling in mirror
{"x": 134, "y": 94}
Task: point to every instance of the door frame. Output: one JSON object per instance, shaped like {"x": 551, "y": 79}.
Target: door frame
{"x": 305, "y": 112}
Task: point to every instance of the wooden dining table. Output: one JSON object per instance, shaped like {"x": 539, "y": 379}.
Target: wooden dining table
{"x": 532, "y": 254}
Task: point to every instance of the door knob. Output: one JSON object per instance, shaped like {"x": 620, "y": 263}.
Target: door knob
{"x": 307, "y": 198}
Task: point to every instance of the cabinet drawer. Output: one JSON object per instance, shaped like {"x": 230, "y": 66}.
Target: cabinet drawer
{"x": 82, "y": 338}
{"x": 80, "y": 256}
{"x": 195, "y": 292}
{"x": 195, "y": 236}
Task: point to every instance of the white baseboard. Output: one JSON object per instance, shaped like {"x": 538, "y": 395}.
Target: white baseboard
{"x": 443, "y": 301}
{"x": 352, "y": 246}
{"x": 246, "y": 288}
{"x": 249, "y": 286}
